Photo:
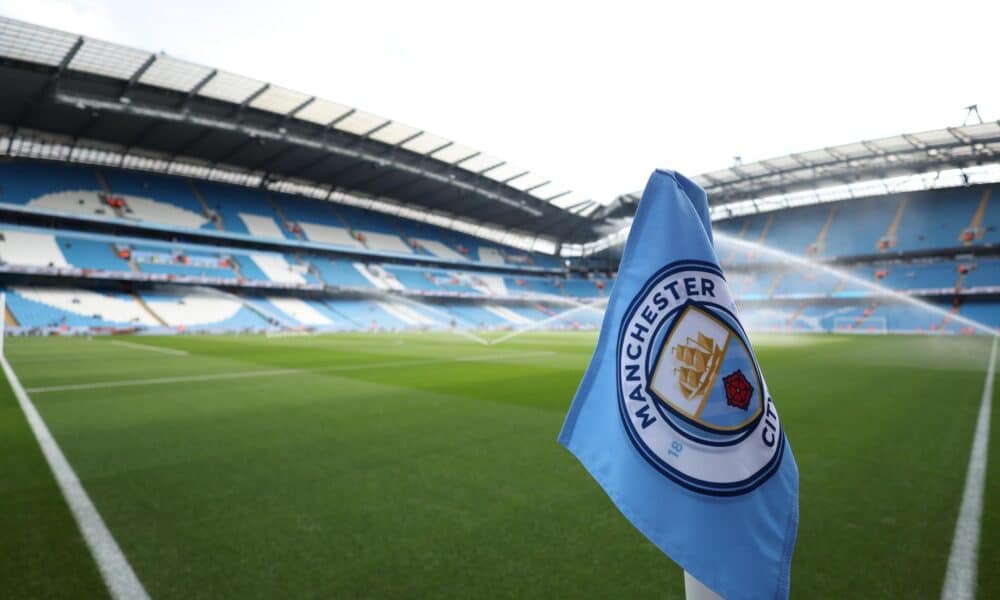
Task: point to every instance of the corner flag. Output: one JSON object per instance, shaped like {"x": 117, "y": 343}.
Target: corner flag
{"x": 673, "y": 417}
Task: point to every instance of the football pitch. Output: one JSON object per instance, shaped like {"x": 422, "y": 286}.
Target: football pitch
{"x": 426, "y": 465}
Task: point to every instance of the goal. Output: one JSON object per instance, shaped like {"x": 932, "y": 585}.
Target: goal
{"x": 861, "y": 325}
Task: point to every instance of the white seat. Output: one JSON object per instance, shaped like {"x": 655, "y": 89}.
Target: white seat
{"x": 324, "y": 234}
{"x": 299, "y": 310}
{"x": 163, "y": 213}
{"x": 194, "y": 309}
{"x": 77, "y": 202}
{"x": 441, "y": 250}
{"x": 87, "y": 304}
{"x": 386, "y": 242}
{"x": 31, "y": 249}
{"x": 277, "y": 268}
{"x": 261, "y": 226}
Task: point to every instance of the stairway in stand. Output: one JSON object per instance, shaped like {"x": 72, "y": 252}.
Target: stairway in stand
{"x": 206, "y": 210}
{"x": 820, "y": 244}
{"x": 347, "y": 226}
{"x": 976, "y": 224}
{"x": 891, "y": 237}
{"x": 120, "y": 211}
{"x": 149, "y": 310}
{"x": 288, "y": 225}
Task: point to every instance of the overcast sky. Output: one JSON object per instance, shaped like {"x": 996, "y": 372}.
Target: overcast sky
{"x": 592, "y": 95}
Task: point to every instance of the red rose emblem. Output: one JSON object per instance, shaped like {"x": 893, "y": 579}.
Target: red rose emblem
{"x": 738, "y": 390}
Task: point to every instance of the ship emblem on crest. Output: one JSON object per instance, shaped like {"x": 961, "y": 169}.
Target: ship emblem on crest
{"x": 698, "y": 364}
{"x": 687, "y": 378}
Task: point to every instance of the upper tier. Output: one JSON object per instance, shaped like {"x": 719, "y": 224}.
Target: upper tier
{"x": 146, "y": 198}
{"x": 64, "y": 253}
{"x": 907, "y": 222}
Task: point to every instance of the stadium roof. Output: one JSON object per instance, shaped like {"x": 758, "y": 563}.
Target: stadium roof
{"x": 754, "y": 187}
{"x": 66, "y": 94}
{"x": 69, "y": 97}
{"x": 949, "y": 157}
{"x": 885, "y": 158}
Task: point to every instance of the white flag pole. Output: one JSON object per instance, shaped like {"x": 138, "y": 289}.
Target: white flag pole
{"x": 696, "y": 590}
{"x": 3, "y": 319}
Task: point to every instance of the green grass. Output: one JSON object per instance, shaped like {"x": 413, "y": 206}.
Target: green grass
{"x": 426, "y": 466}
{"x": 42, "y": 554}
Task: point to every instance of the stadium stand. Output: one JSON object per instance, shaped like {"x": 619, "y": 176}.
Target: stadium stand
{"x": 35, "y": 307}
{"x": 146, "y": 263}
{"x": 31, "y": 249}
{"x": 328, "y": 226}
{"x": 902, "y": 242}
{"x": 174, "y": 202}
{"x": 58, "y": 188}
{"x": 936, "y": 245}
{"x": 91, "y": 254}
{"x": 200, "y": 310}
{"x": 913, "y": 221}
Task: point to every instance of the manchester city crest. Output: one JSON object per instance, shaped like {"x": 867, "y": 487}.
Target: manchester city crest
{"x": 691, "y": 395}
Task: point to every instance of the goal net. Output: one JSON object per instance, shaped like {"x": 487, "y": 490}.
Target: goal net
{"x": 864, "y": 325}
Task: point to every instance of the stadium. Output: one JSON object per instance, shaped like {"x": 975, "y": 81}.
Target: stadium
{"x": 285, "y": 346}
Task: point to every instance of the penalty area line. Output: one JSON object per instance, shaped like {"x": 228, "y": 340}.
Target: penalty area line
{"x": 963, "y": 561}
{"x": 97, "y": 385}
{"x": 115, "y": 569}
{"x": 149, "y": 348}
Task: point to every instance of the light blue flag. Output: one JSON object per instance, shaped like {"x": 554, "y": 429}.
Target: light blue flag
{"x": 673, "y": 417}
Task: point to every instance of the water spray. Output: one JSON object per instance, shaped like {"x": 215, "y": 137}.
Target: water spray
{"x": 788, "y": 257}
{"x": 545, "y": 322}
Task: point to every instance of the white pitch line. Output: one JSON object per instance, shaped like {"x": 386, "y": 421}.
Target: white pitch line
{"x": 114, "y": 567}
{"x": 963, "y": 562}
{"x": 148, "y": 347}
{"x": 97, "y": 385}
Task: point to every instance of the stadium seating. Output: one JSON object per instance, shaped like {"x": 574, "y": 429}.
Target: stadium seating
{"x": 534, "y": 285}
{"x": 896, "y": 223}
{"x": 275, "y": 267}
{"x": 477, "y": 316}
{"x": 174, "y": 202}
{"x": 926, "y": 223}
{"x": 339, "y": 272}
{"x": 72, "y": 307}
{"x": 91, "y": 254}
{"x": 580, "y": 288}
{"x": 187, "y": 271}
{"x": 53, "y": 187}
{"x": 100, "y": 252}
{"x": 982, "y": 274}
{"x": 858, "y": 227}
{"x": 903, "y": 242}
{"x": 31, "y": 249}
{"x": 156, "y": 199}
{"x": 438, "y": 248}
{"x": 366, "y": 315}
{"x": 196, "y": 310}
{"x": 242, "y": 210}
{"x": 304, "y": 312}
{"x": 984, "y": 311}
{"x": 327, "y": 234}
{"x": 180, "y": 261}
